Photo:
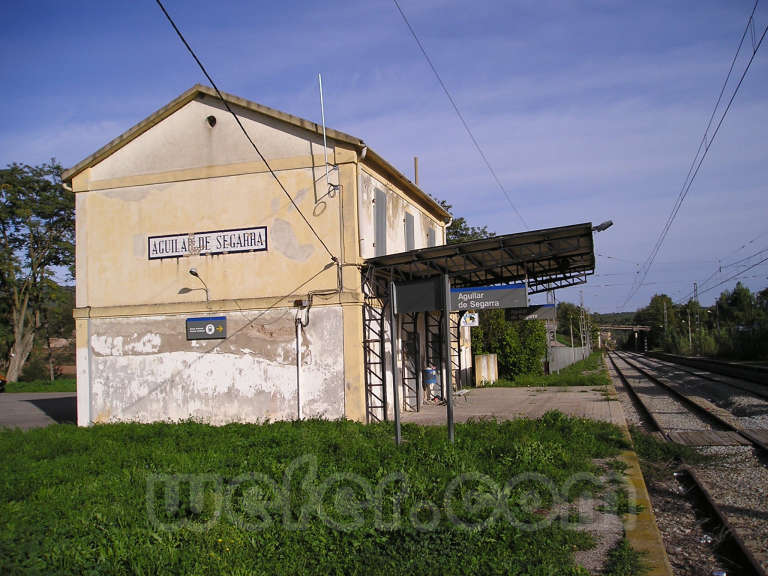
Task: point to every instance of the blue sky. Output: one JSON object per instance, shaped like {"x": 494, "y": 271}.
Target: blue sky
{"x": 587, "y": 110}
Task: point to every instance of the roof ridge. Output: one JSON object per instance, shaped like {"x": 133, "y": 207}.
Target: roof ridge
{"x": 192, "y": 93}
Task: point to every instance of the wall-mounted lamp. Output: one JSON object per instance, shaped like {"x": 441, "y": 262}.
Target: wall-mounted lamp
{"x": 193, "y": 272}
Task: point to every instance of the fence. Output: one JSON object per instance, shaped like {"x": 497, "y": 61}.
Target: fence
{"x": 563, "y": 356}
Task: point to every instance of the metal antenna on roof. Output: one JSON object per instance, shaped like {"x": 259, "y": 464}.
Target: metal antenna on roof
{"x": 331, "y": 187}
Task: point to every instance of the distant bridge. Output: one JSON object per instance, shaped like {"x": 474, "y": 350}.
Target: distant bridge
{"x": 631, "y": 328}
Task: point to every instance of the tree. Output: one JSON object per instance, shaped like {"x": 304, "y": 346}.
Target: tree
{"x": 460, "y": 230}
{"x": 36, "y": 236}
{"x": 653, "y": 316}
{"x": 568, "y": 318}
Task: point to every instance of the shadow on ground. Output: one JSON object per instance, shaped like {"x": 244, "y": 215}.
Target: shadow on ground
{"x": 62, "y": 410}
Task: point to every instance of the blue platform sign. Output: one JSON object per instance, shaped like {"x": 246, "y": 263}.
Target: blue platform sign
{"x": 207, "y": 328}
{"x": 489, "y": 297}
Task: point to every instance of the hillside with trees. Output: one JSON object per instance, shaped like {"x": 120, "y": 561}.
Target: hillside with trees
{"x": 734, "y": 327}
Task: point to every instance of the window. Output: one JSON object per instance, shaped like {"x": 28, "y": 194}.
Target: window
{"x": 380, "y": 222}
{"x": 410, "y": 242}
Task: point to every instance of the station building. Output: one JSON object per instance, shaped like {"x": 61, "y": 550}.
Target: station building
{"x": 222, "y": 284}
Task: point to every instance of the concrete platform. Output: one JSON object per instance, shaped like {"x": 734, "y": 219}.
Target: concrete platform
{"x": 35, "y": 410}
{"x": 509, "y": 403}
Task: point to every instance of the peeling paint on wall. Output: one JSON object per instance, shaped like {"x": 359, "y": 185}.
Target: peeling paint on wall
{"x": 145, "y": 370}
{"x": 284, "y": 240}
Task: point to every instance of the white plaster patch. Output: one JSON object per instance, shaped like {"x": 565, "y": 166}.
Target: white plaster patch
{"x": 107, "y": 345}
{"x": 145, "y": 380}
{"x": 149, "y": 344}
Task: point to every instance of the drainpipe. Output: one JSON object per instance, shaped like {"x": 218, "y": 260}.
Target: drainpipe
{"x": 299, "y": 327}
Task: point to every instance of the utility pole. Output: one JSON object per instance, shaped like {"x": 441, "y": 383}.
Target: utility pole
{"x": 665, "y": 322}
{"x": 690, "y": 340}
{"x": 717, "y": 315}
{"x": 698, "y": 319}
{"x": 582, "y": 319}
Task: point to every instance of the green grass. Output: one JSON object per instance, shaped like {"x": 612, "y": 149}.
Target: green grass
{"x": 563, "y": 339}
{"x": 651, "y": 449}
{"x": 623, "y": 560}
{"x": 76, "y": 501}
{"x": 58, "y": 385}
{"x": 658, "y": 458}
{"x": 587, "y": 372}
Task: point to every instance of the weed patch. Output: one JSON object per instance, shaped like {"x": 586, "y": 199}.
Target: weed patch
{"x": 658, "y": 457}
{"x": 294, "y": 497}
{"x": 623, "y": 560}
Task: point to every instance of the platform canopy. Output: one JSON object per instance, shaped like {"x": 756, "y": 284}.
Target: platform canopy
{"x": 547, "y": 259}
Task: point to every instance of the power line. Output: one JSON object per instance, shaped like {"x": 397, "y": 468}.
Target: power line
{"x": 746, "y": 258}
{"x": 740, "y": 248}
{"x": 721, "y": 268}
{"x": 460, "y": 115}
{"x": 734, "y": 276}
{"x": 619, "y": 259}
{"x": 692, "y": 173}
{"x": 240, "y": 124}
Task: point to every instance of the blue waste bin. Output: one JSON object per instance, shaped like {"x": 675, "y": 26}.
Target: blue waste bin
{"x": 430, "y": 382}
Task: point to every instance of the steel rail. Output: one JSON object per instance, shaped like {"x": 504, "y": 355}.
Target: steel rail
{"x": 690, "y": 370}
{"x": 745, "y": 433}
{"x": 748, "y": 561}
{"x": 633, "y": 393}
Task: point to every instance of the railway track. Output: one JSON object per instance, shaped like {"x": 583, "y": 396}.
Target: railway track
{"x": 681, "y": 406}
{"x": 731, "y": 381}
{"x": 695, "y": 396}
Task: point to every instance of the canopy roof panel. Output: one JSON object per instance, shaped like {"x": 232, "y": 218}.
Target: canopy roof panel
{"x": 546, "y": 259}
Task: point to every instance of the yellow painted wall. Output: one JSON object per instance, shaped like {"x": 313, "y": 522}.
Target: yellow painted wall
{"x": 185, "y": 176}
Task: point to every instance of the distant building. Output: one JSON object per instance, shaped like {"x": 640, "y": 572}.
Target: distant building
{"x": 270, "y": 327}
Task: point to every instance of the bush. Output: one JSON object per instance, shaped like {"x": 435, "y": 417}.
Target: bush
{"x": 36, "y": 368}
{"x": 587, "y": 372}
{"x": 520, "y": 347}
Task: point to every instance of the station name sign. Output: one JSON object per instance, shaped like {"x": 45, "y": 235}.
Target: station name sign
{"x": 201, "y": 243}
{"x": 489, "y": 297}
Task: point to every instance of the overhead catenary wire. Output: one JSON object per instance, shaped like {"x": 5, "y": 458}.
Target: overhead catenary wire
{"x": 734, "y": 277}
{"x": 702, "y": 286}
{"x": 242, "y": 128}
{"x": 699, "y": 158}
{"x": 619, "y": 259}
{"x": 461, "y": 116}
{"x": 740, "y": 248}
{"x": 720, "y": 266}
